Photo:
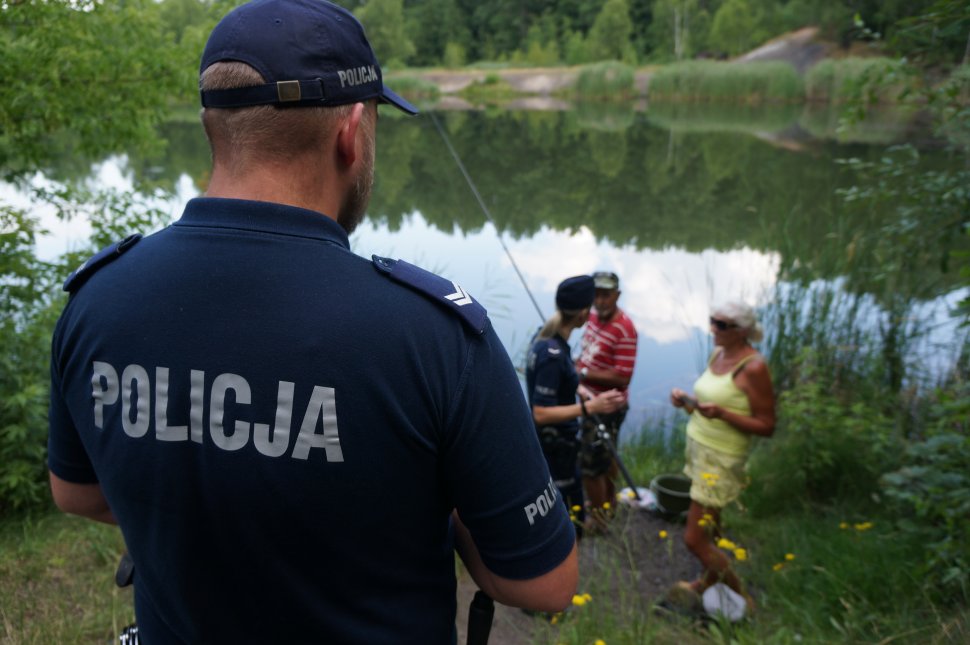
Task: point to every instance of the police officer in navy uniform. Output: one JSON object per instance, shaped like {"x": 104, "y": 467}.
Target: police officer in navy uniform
{"x": 295, "y": 440}
{"x": 552, "y": 381}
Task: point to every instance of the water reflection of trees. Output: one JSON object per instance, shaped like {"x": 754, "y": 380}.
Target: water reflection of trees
{"x": 633, "y": 183}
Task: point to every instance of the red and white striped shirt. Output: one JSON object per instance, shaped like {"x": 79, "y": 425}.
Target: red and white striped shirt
{"x": 609, "y": 346}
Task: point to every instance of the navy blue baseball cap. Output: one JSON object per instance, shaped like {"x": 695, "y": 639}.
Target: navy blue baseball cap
{"x": 575, "y": 293}
{"x": 309, "y": 52}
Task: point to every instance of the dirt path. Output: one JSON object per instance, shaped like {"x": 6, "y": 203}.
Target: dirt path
{"x": 632, "y": 559}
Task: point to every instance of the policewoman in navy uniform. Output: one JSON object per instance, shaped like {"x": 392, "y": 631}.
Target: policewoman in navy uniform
{"x": 551, "y": 383}
{"x": 295, "y": 440}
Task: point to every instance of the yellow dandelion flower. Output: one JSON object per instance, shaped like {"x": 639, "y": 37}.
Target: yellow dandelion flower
{"x": 708, "y": 517}
{"x": 631, "y": 494}
{"x": 554, "y": 619}
{"x": 600, "y": 641}
{"x": 702, "y": 522}
{"x": 663, "y": 535}
{"x": 778, "y": 567}
{"x": 606, "y": 505}
{"x": 576, "y": 508}
{"x": 741, "y": 554}
{"x": 843, "y": 525}
{"x": 587, "y": 597}
{"x": 863, "y": 526}
{"x": 725, "y": 543}
{"x": 789, "y": 556}
{"x": 579, "y": 601}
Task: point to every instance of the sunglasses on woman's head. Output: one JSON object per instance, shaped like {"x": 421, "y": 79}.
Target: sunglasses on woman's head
{"x": 723, "y": 324}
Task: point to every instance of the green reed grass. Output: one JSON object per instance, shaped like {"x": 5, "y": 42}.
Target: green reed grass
{"x": 876, "y": 80}
{"x": 609, "y": 80}
{"x": 655, "y": 449}
{"x": 774, "y": 82}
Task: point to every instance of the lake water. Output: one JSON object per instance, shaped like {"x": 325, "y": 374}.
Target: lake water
{"x": 688, "y": 207}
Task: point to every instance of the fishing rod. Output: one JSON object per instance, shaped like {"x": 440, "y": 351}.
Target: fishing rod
{"x": 481, "y": 203}
{"x": 601, "y": 427}
{"x": 603, "y": 435}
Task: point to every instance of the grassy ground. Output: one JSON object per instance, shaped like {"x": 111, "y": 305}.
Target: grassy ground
{"x": 823, "y": 575}
{"x": 57, "y": 581}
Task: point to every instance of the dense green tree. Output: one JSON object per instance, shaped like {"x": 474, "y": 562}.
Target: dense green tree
{"x": 940, "y": 35}
{"x": 498, "y": 27}
{"x": 432, "y": 26}
{"x": 578, "y": 15}
{"x": 105, "y": 72}
{"x": 387, "y": 31}
{"x": 641, "y": 14}
{"x": 673, "y": 30}
{"x": 830, "y": 17}
{"x": 27, "y": 313}
{"x": 733, "y": 29}
{"x": 609, "y": 38}
{"x": 541, "y": 44}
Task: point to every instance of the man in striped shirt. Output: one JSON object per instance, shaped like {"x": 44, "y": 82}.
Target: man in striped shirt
{"x": 609, "y": 351}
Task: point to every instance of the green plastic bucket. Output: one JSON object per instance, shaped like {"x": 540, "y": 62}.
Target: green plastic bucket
{"x": 672, "y": 491}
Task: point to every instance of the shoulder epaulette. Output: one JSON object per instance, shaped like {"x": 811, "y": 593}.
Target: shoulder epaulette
{"x": 98, "y": 260}
{"x": 441, "y": 290}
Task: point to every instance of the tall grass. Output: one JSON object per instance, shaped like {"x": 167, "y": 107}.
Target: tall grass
{"x": 57, "y": 582}
{"x": 608, "y": 80}
{"x": 877, "y": 80}
{"x": 727, "y": 82}
{"x": 821, "y": 573}
{"x": 657, "y": 448}
{"x": 851, "y": 579}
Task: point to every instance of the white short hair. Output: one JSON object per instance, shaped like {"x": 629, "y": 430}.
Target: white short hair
{"x": 741, "y": 315}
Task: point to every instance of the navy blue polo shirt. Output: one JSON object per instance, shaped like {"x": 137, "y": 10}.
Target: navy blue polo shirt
{"x": 551, "y": 378}
{"x": 282, "y": 429}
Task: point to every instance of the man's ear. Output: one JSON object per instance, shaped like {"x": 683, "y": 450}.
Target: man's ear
{"x": 347, "y": 136}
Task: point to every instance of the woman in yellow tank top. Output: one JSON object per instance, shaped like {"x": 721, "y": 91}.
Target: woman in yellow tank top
{"x": 733, "y": 401}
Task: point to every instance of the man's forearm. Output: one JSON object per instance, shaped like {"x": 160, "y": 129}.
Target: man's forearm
{"x": 85, "y": 500}
{"x": 470, "y": 557}
{"x": 552, "y": 591}
{"x": 606, "y": 378}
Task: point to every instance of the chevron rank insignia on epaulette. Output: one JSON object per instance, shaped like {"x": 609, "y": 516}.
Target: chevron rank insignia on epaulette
{"x": 98, "y": 260}
{"x": 444, "y": 291}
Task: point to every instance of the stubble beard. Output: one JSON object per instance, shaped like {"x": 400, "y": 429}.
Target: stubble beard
{"x": 354, "y": 208}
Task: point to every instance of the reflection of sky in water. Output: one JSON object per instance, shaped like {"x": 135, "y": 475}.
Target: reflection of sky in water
{"x": 667, "y": 293}
{"x": 74, "y": 234}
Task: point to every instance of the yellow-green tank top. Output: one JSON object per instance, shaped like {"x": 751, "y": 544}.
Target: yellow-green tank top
{"x": 720, "y": 389}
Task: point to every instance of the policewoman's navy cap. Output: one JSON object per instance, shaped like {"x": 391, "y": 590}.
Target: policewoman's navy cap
{"x": 575, "y": 293}
{"x": 309, "y": 52}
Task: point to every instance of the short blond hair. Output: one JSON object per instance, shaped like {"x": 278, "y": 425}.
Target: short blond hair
{"x": 257, "y": 134}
